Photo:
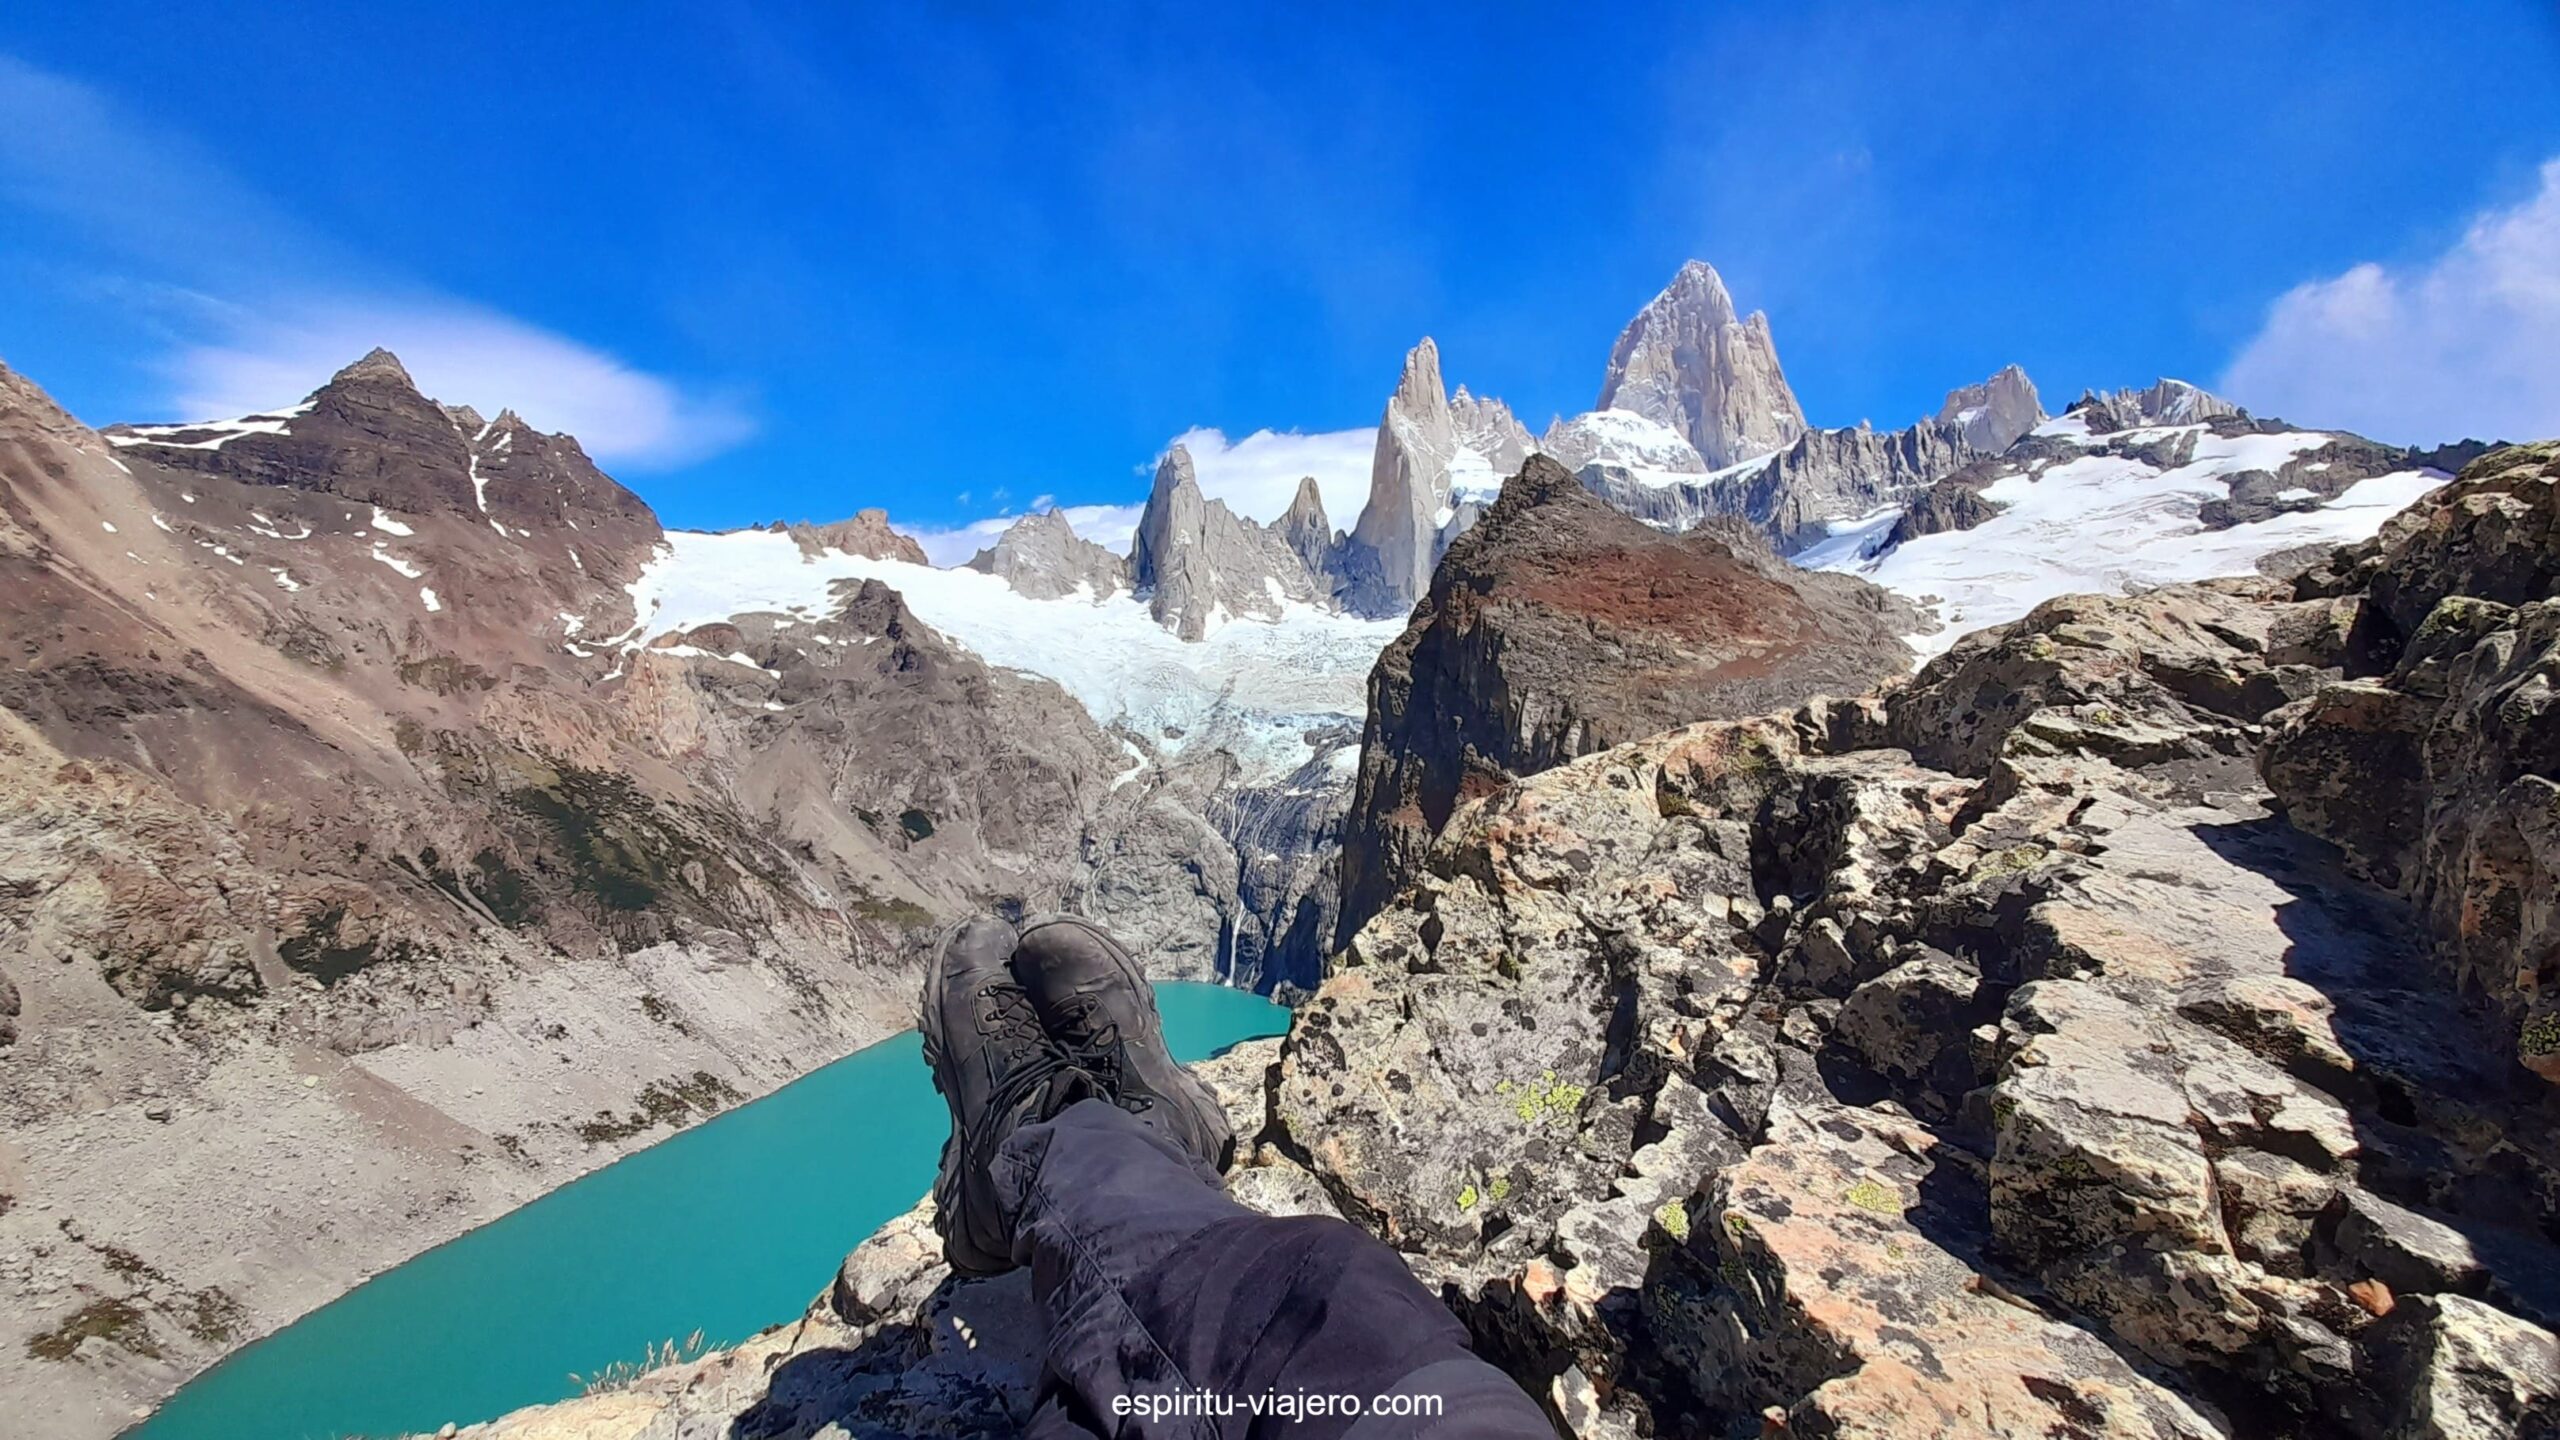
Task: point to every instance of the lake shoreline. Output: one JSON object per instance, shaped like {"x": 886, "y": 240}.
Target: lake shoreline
{"x": 612, "y": 1261}
{"x": 241, "y": 1182}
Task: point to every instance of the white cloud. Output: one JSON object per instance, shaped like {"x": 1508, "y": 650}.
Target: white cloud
{"x": 2465, "y": 345}
{"x": 1258, "y": 475}
{"x": 462, "y": 355}
{"x": 259, "y": 308}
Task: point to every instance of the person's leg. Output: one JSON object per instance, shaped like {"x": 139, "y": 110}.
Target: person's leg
{"x": 1155, "y": 1284}
{"x": 1093, "y": 1158}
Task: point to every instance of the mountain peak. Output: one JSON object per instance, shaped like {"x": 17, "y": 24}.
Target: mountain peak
{"x": 2166, "y": 402}
{"x": 1040, "y": 555}
{"x": 1687, "y": 361}
{"x": 1174, "y": 471}
{"x": 1991, "y": 415}
{"x": 378, "y": 364}
{"x": 1420, "y": 385}
{"x": 1700, "y": 277}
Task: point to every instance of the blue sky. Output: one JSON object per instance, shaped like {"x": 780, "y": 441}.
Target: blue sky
{"x": 790, "y": 261}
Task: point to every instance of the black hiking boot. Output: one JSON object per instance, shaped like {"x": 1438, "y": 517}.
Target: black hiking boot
{"x": 998, "y": 1071}
{"x": 1094, "y": 1001}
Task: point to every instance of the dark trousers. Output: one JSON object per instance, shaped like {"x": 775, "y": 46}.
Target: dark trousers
{"x": 1155, "y": 1284}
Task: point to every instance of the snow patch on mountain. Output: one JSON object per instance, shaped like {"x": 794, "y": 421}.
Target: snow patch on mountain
{"x": 1249, "y": 686}
{"x": 206, "y": 434}
{"x": 2104, "y": 523}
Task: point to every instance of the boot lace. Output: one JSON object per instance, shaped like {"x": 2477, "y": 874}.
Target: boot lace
{"x": 1005, "y": 1015}
{"x": 1104, "y": 1055}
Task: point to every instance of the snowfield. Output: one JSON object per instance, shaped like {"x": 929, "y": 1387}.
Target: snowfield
{"x": 1252, "y": 687}
{"x": 2104, "y": 523}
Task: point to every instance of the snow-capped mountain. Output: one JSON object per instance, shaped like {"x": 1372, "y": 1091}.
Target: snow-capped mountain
{"x": 1689, "y": 362}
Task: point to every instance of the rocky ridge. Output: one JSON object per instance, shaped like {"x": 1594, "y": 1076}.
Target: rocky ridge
{"x": 1695, "y": 422}
{"x": 2001, "y": 1053}
{"x": 2161, "y": 428}
{"x": 1824, "y": 478}
{"x": 1557, "y": 627}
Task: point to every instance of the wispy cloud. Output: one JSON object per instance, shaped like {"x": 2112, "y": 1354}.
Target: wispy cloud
{"x": 258, "y": 308}
{"x": 462, "y": 355}
{"x": 2465, "y": 344}
{"x": 1258, "y": 475}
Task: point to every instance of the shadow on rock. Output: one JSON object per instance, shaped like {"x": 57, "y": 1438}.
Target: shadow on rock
{"x": 2459, "y": 1192}
{"x": 967, "y": 1365}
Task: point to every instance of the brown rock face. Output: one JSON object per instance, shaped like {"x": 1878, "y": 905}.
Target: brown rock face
{"x": 867, "y": 533}
{"x": 1557, "y": 627}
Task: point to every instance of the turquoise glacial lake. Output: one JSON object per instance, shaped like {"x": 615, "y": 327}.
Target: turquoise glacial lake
{"x": 726, "y": 1227}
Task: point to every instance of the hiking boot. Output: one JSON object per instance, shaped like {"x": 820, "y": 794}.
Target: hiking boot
{"x": 1094, "y": 1001}
{"x": 998, "y": 1071}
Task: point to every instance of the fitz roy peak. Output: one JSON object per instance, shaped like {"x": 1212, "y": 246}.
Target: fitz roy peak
{"x": 1687, "y": 361}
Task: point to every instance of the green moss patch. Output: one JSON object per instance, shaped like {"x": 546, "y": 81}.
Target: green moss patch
{"x": 120, "y": 1323}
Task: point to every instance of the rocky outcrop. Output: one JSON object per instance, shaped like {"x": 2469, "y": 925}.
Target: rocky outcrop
{"x": 1689, "y": 362}
{"x": 1990, "y": 417}
{"x": 1980, "y": 1054}
{"x": 1198, "y": 564}
{"x": 1954, "y": 503}
{"x": 868, "y": 533}
{"x": 1041, "y": 556}
{"x": 2434, "y": 760}
{"x": 1495, "y": 676}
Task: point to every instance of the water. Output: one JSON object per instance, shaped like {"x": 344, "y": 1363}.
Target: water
{"x": 726, "y": 1227}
